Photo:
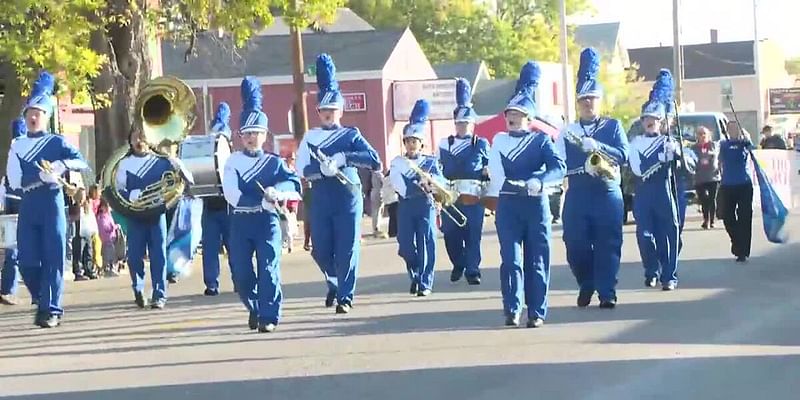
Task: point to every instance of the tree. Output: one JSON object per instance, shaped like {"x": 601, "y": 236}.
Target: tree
{"x": 100, "y": 47}
{"x": 620, "y": 100}
{"x": 462, "y": 30}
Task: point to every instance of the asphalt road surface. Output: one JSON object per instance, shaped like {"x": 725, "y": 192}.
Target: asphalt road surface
{"x": 730, "y": 331}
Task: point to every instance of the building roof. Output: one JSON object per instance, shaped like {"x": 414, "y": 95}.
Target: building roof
{"x": 492, "y": 96}
{"x": 471, "y": 71}
{"x": 345, "y": 21}
{"x": 603, "y": 37}
{"x": 271, "y": 55}
{"x": 709, "y": 60}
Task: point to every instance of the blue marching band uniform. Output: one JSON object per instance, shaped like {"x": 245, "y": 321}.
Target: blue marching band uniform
{"x": 11, "y": 199}
{"x": 519, "y": 168}
{"x": 139, "y": 169}
{"x": 521, "y": 164}
{"x": 328, "y": 157}
{"x": 656, "y": 208}
{"x": 464, "y": 157}
{"x": 593, "y": 207}
{"x": 416, "y": 209}
{"x": 42, "y": 223}
{"x": 215, "y": 219}
{"x": 253, "y": 183}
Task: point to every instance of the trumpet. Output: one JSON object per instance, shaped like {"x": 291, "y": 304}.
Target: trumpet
{"x": 597, "y": 164}
{"x": 323, "y": 159}
{"x": 440, "y": 194}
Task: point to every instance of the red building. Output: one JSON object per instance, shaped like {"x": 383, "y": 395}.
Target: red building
{"x": 371, "y": 65}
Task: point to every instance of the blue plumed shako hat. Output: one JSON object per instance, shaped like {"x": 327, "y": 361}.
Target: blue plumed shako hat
{"x": 588, "y": 85}
{"x": 252, "y": 118}
{"x": 464, "y": 111}
{"x": 525, "y": 92}
{"x": 329, "y": 97}
{"x": 417, "y": 121}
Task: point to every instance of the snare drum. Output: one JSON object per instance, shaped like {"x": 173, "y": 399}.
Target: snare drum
{"x": 469, "y": 190}
{"x": 205, "y": 156}
{"x": 8, "y": 231}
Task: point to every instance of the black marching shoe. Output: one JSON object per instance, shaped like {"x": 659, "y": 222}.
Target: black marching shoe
{"x": 139, "y": 300}
{"x": 585, "y": 298}
{"x": 668, "y": 287}
{"x": 741, "y": 259}
{"x": 424, "y": 293}
{"x": 474, "y": 280}
{"x": 252, "y": 321}
{"x": 414, "y": 288}
{"x": 159, "y": 304}
{"x": 343, "y": 308}
{"x": 512, "y": 320}
{"x": 456, "y": 274}
{"x": 650, "y": 282}
{"x": 608, "y": 304}
{"x": 266, "y": 327}
{"x": 330, "y": 298}
{"x": 211, "y": 292}
{"x": 535, "y": 323}
{"x": 47, "y": 320}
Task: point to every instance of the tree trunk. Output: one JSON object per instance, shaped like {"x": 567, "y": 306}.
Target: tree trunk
{"x": 127, "y": 69}
{"x": 9, "y": 109}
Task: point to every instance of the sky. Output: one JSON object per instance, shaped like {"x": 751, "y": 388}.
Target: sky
{"x": 647, "y": 23}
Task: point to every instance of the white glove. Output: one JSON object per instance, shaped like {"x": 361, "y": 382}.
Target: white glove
{"x": 271, "y": 194}
{"x": 328, "y": 169}
{"x": 534, "y": 186}
{"x": 671, "y": 147}
{"x": 48, "y": 177}
{"x": 589, "y": 144}
{"x": 339, "y": 160}
{"x": 134, "y": 195}
{"x": 58, "y": 167}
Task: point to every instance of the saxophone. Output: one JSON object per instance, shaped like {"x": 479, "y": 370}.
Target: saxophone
{"x": 597, "y": 164}
{"x": 166, "y": 109}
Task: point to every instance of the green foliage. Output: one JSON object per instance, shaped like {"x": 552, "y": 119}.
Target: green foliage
{"x": 51, "y": 34}
{"x": 620, "y": 99}
{"x": 462, "y": 30}
{"x": 55, "y": 34}
{"x": 793, "y": 66}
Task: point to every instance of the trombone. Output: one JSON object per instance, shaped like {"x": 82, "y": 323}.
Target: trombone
{"x": 440, "y": 194}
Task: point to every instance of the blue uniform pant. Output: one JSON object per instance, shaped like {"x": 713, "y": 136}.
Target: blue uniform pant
{"x": 149, "y": 236}
{"x": 216, "y": 228}
{"x": 416, "y": 222}
{"x": 259, "y": 288}
{"x": 593, "y": 237}
{"x": 41, "y": 241}
{"x": 8, "y": 278}
{"x": 464, "y": 244}
{"x": 523, "y": 229}
{"x": 657, "y": 231}
{"x": 336, "y": 212}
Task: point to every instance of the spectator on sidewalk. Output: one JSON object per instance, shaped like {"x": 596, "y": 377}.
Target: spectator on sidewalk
{"x": 770, "y": 140}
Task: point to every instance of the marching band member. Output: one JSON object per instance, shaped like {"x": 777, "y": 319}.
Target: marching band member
{"x": 36, "y": 163}
{"x": 140, "y": 168}
{"x": 521, "y": 164}
{"x": 328, "y": 157}
{"x": 464, "y": 157}
{"x": 253, "y": 183}
{"x": 416, "y": 210}
{"x": 736, "y": 190}
{"x": 656, "y": 208}
{"x": 593, "y": 207}
{"x": 215, "y": 219}
{"x": 10, "y": 199}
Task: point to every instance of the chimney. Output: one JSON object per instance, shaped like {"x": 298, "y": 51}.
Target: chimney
{"x": 714, "y": 36}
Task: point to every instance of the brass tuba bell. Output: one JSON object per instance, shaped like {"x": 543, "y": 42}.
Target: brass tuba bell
{"x": 165, "y": 108}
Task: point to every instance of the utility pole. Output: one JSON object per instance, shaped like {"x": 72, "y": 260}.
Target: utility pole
{"x": 564, "y": 63}
{"x": 300, "y": 122}
{"x": 677, "y": 54}
{"x": 757, "y": 70}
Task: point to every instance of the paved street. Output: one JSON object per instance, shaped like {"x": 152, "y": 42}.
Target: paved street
{"x": 730, "y": 331}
